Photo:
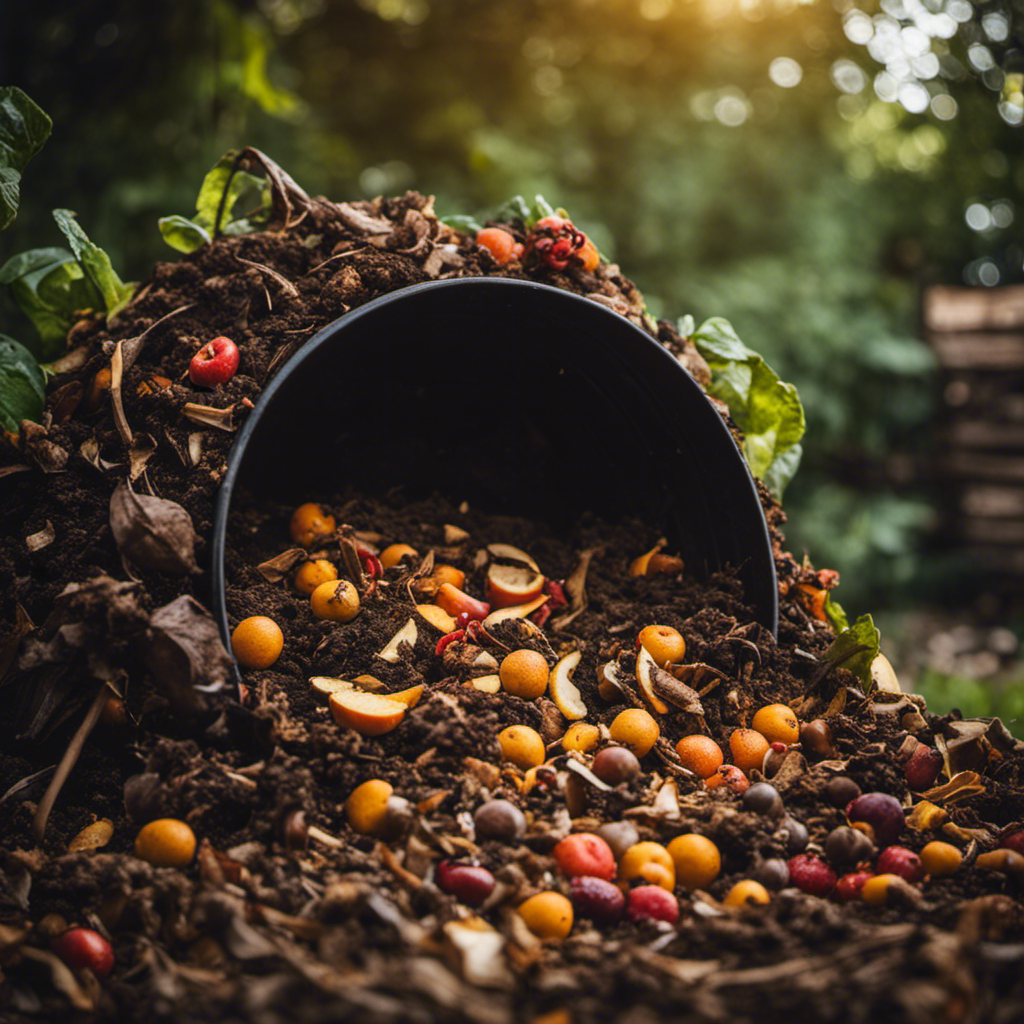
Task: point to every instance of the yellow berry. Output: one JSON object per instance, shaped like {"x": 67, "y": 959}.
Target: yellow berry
{"x": 310, "y": 522}
{"x": 524, "y": 673}
{"x": 581, "y": 736}
{"x": 310, "y": 575}
{"x": 748, "y": 748}
{"x": 941, "y": 859}
{"x": 663, "y": 643}
{"x": 336, "y": 600}
{"x": 257, "y": 642}
{"x": 367, "y": 805}
{"x": 522, "y": 746}
{"x": 696, "y": 859}
{"x": 875, "y": 891}
{"x": 394, "y": 553}
{"x": 700, "y": 754}
{"x": 635, "y": 729}
{"x": 548, "y": 915}
{"x": 777, "y": 723}
{"x": 651, "y": 862}
{"x": 746, "y": 892}
{"x": 166, "y": 843}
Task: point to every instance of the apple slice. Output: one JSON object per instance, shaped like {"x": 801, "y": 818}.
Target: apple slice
{"x": 409, "y": 697}
{"x": 638, "y": 567}
{"x": 489, "y": 684}
{"x": 455, "y": 601}
{"x": 884, "y": 676}
{"x": 370, "y": 714}
{"x": 510, "y": 553}
{"x": 645, "y": 666}
{"x": 564, "y": 692}
{"x": 437, "y": 617}
{"x": 407, "y": 634}
{"x": 324, "y": 686}
{"x": 515, "y": 611}
{"x": 609, "y": 685}
{"x": 512, "y": 584}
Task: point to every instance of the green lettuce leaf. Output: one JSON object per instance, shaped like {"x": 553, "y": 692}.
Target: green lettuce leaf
{"x": 50, "y": 288}
{"x": 765, "y": 408}
{"x": 462, "y": 222}
{"x": 856, "y": 648}
{"x": 22, "y": 386}
{"x": 24, "y": 127}
{"x": 95, "y": 262}
{"x": 220, "y": 192}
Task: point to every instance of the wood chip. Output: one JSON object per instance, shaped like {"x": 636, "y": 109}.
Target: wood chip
{"x": 42, "y": 539}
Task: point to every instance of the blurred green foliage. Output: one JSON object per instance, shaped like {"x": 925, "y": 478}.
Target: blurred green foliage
{"x": 975, "y": 698}
{"x": 748, "y": 159}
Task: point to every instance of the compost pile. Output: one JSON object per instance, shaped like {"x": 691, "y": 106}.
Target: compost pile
{"x": 410, "y": 860}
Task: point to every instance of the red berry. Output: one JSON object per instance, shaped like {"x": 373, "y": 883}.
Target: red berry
{"x": 597, "y": 899}
{"x": 811, "y": 875}
{"x": 584, "y": 853}
{"x": 651, "y": 901}
{"x": 1014, "y": 841}
{"x": 82, "y": 947}
{"x": 922, "y": 767}
{"x": 215, "y": 363}
{"x": 849, "y": 886}
{"x": 898, "y": 860}
{"x": 470, "y": 883}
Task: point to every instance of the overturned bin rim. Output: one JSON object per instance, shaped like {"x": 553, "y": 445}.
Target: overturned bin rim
{"x": 522, "y": 398}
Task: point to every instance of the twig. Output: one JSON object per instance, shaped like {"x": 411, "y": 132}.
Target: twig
{"x": 68, "y": 761}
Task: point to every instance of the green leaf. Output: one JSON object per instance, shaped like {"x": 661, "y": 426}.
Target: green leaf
{"x": 541, "y": 209}
{"x": 182, "y": 234}
{"x": 50, "y": 288}
{"x": 856, "y": 648}
{"x": 765, "y": 408}
{"x": 22, "y": 386}
{"x": 24, "y": 127}
{"x": 836, "y": 615}
{"x": 95, "y": 262}
{"x": 463, "y": 222}
{"x": 516, "y": 208}
{"x": 222, "y": 188}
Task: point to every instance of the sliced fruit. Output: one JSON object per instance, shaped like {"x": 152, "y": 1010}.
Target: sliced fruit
{"x": 564, "y": 691}
{"x": 410, "y": 697}
{"x": 368, "y": 682}
{"x": 370, "y": 714}
{"x": 884, "y": 676}
{"x": 326, "y": 685}
{"x": 437, "y": 617}
{"x": 509, "y": 585}
{"x": 609, "y": 685}
{"x": 489, "y": 684}
{"x": 515, "y": 611}
{"x": 638, "y": 567}
{"x": 645, "y": 668}
{"x": 455, "y": 601}
{"x": 511, "y": 553}
{"x": 407, "y": 634}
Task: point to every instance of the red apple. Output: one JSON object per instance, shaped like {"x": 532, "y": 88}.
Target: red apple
{"x": 215, "y": 363}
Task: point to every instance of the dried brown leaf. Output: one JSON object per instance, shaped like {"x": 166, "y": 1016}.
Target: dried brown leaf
{"x": 90, "y": 451}
{"x": 275, "y": 569}
{"x": 93, "y": 836}
{"x": 49, "y": 457}
{"x": 699, "y": 676}
{"x": 576, "y": 589}
{"x": 361, "y": 222}
{"x": 960, "y": 787}
{"x": 183, "y": 651}
{"x": 41, "y": 539}
{"x": 154, "y": 533}
{"x": 140, "y": 451}
{"x": 675, "y": 691}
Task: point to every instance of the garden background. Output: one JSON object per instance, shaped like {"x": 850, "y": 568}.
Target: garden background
{"x": 805, "y": 169}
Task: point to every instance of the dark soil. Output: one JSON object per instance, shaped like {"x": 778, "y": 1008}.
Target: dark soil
{"x": 339, "y": 926}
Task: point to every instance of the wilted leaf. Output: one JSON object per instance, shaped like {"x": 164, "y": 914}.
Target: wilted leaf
{"x": 183, "y": 650}
{"x": 154, "y": 533}
{"x": 275, "y": 569}
{"x": 49, "y": 457}
{"x": 93, "y": 836}
{"x": 42, "y": 538}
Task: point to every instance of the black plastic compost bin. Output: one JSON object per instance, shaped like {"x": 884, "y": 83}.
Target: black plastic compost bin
{"x": 517, "y": 397}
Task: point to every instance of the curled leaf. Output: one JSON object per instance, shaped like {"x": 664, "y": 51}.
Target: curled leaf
{"x": 675, "y": 691}
{"x": 93, "y": 836}
{"x": 183, "y": 650}
{"x": 275, "y": 569}
{"x": 41, "y": 539}
{"x": 154, "y": 533}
